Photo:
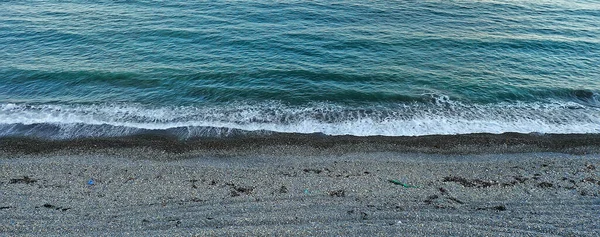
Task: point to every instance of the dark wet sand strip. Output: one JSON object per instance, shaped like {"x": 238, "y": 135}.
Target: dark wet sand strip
{"x": 286, "y": 143}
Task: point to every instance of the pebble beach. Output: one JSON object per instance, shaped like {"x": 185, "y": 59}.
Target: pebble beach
{"x": 299, "y": 189}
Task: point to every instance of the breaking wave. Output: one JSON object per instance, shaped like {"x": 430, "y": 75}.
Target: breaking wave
{"x": 440, "y": 116}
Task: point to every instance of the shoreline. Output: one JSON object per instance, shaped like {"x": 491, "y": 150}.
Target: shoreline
{"x": 313, "y": 144}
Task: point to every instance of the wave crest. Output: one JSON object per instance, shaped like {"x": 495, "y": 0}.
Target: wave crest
{"x": 440, "y": 116}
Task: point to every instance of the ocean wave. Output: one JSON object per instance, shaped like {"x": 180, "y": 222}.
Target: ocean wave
{"x": 298, "y": 87}
{"x": 439, "y": 116}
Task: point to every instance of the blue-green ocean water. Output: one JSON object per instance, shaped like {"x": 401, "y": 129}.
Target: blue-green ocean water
{"x": 215, "y": 68}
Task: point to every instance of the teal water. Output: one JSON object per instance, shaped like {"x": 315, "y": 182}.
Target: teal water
{"x": 394, "y": 68}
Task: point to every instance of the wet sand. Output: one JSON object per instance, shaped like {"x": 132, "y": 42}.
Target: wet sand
{"x": 481, "y": 184}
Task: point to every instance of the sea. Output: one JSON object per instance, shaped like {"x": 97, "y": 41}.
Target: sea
{"x": 194, "y": 69}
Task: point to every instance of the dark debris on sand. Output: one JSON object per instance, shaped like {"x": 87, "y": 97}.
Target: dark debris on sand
{"x": 238, "y": 190}
{"x": 443, "y": 201}
{"x": 494, "y": 208}
{"x": 24, "y": 180}
{"x": 337, "y": 193}
{"x": 50, "y": 206}
{"x": 545, "y": 185}
{"x": 478, "y": 183}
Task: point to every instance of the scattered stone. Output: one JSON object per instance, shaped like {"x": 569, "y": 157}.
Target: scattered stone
{"x": 283, "y": 189}
{"x": 24, "y": 180}
{"x": 590, "y": 167}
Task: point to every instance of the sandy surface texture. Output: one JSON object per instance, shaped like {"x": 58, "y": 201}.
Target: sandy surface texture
{"x": 297, "y": 190}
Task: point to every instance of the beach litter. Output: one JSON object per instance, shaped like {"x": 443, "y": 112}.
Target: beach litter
{"x": 91, "y": 182}
{"x": 397, "y": 182}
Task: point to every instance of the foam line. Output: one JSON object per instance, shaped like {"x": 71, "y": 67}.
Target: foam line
{"x": 440, "y": 117}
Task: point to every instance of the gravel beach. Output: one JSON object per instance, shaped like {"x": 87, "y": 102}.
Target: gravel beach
{"x": 328, "y": 186}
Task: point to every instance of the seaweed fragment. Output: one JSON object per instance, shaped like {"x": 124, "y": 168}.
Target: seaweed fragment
{"x": 337, "y": 193}
{"x": 478, "y": 183}
{"x": 24, "y": 180}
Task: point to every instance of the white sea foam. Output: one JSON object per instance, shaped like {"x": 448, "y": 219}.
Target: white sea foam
{"x": 442, "y": 116}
